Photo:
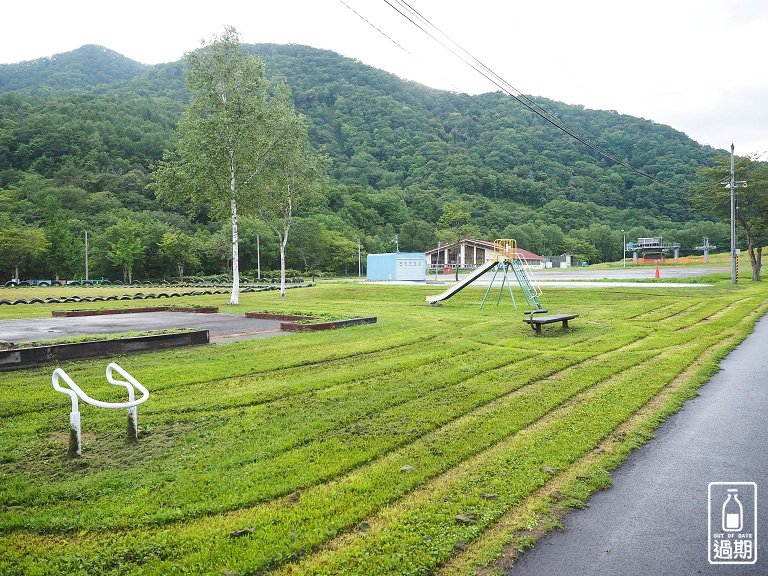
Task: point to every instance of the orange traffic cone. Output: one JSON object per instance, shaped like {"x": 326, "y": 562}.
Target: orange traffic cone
{"x": 657, "y": 272}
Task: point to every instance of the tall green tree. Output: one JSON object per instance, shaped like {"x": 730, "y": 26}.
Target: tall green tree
{"x": 66, "y": 252}
{"x": 125, "y": 246}
{"x": 417, "y": 236}
{"x": 227, "y": 138}
{"x": 713, "y": 197}
{"x": 308, "y": 248}
{"x": 20, "y": 246}
{"x": 454, "y": 220}
{"x": 181, "y": 250}
{"x": 295, "y": 177}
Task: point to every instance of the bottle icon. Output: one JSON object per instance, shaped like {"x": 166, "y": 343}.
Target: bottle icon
{"x": 733, "y": 513}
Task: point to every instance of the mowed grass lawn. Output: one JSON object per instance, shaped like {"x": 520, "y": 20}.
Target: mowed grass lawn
{"x": 439, "y": 440}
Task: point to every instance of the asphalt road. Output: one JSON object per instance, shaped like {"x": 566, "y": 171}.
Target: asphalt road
{"x": 221, "y": 327}
{"x": 655, "y": 519}
{"x": 598, "y": 277}
{"x": 629, "y": 273}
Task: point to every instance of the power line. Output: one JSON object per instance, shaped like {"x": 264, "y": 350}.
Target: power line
{"x": 424, "y": 25}
{"x": 411, "y": 54}
{"x": 505, "y": 86}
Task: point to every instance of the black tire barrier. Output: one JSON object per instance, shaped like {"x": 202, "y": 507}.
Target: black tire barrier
{"x": 124, "y": 297}
{"x": 36, "y": 301}
{"x": 19, "y": 301}
{"x": 111, "y": 297}
{"x": 162, "y": 295}
{"x": 11, "y": 284}
{"x": 53, "y": 301}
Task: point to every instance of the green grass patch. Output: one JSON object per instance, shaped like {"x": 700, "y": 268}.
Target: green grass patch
{"x": 433, "y": 440}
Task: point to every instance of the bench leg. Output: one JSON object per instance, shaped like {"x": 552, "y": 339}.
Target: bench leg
{"x": 537, "y": 328}
{"x": 565, "y": 324}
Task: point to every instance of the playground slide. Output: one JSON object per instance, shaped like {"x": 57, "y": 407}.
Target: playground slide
{"x": 479, "y": 271}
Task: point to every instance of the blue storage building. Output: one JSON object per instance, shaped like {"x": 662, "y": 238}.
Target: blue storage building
{"x": 397, "y": 266}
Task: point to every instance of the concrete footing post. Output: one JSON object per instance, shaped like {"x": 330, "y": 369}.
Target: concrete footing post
{"x": 75, "y": 439}
{"x": 133, "y": 425}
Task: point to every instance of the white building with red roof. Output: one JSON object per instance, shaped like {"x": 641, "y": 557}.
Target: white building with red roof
{"x": 470, "y": 255}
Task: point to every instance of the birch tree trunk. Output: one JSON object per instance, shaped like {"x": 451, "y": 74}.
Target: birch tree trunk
{"x": 282, "y": 266}
{"x": 235, "y": 298}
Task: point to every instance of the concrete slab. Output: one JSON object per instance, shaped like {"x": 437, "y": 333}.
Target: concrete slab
{"x": 222, "y": 327}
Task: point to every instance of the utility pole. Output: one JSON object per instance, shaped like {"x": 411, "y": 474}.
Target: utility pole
{"x": 733, "y": 184}
{"x": 258, "y": 256}
{"x": 86, "y": 255}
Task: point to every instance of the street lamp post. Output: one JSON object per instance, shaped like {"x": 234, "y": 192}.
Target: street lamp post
{"x": 623, "y": 249}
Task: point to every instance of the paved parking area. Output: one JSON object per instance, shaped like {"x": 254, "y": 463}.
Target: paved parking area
{"x": 221, "y": 327}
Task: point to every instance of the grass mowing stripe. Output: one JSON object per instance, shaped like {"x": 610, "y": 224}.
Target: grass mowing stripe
{"x": 417, "y": 533}
{"x": 500, "y": 544}
{"x": 432, "y": 455}
{"x": 668, "y": 312}
{"x": 282, "y": 384}
{"x": 106, "y": 503}
{"x": 184, "y": 368}
{"x": 261, "y": 468}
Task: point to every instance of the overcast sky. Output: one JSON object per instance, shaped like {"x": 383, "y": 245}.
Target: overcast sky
{"x": 696, "y": 65}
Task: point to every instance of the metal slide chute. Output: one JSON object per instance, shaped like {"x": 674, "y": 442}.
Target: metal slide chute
{"x": 505, "y": 257}
{"x": 479, "y": 271}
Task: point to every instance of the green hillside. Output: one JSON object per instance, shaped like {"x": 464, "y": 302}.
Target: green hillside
{"x": 80, "y": 132}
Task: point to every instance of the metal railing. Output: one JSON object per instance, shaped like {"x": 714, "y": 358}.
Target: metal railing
{"x": 74, "y": 392}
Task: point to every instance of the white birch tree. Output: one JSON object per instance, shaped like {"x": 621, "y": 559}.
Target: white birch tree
{"x": 296, "y": 176}
{"x": 227, "y": 139}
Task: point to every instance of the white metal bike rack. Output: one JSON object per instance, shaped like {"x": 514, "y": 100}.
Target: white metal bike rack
{"x": 74, "y": 391}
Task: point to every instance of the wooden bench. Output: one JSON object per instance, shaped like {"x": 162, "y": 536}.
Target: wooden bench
{"x": 536, "y": 322}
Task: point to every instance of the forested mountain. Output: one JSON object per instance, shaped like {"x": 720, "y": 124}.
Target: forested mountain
{"x": 79, "y": 133}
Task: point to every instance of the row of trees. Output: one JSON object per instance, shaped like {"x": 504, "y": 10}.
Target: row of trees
{"x": 144, "y": 245}
{"x": 140, "y": 249}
